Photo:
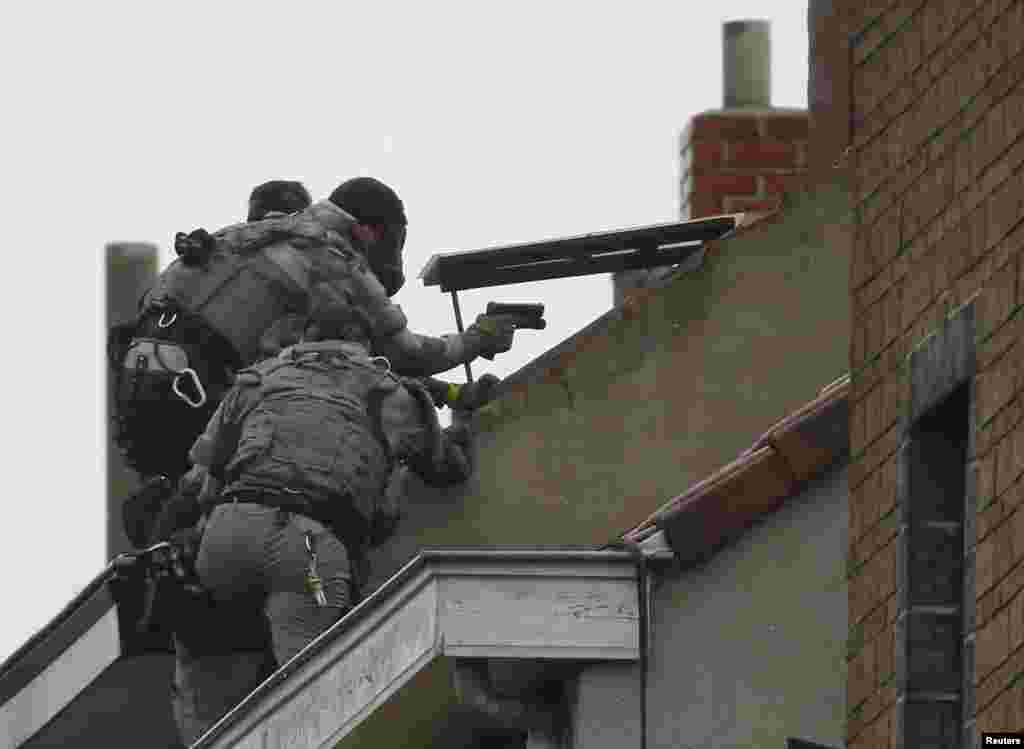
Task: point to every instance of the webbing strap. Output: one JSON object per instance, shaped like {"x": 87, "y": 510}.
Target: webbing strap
{"x": 426, "y": 404}
{"x": 375, "y": 414}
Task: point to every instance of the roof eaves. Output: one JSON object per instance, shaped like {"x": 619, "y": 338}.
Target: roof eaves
{"x": 793, "y": 451}
{"x": 407, "y": 596}
{"x": 29, "y": 660}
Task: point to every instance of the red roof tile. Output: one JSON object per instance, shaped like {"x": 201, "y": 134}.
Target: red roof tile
{"x": 796, "y": 449}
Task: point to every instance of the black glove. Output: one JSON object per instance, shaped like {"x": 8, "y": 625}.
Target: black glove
{"x": 459, "y": 461}
{"x": 140, "y": 511}
{"x": 493, "y": 334}
{"x": 474, "y": 395}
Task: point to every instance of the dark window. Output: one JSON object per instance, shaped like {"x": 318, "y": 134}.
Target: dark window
{"x": 932, "y": 670}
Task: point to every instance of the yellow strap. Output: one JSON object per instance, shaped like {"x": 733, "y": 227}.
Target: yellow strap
{"x": 453, "y": 392}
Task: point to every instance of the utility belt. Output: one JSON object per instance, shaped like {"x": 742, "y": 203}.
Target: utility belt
{"x": 336, "y": 512}
{"x": 286, "y": 500}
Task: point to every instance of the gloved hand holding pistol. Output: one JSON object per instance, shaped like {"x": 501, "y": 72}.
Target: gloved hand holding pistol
{"x": 498, "y": 324}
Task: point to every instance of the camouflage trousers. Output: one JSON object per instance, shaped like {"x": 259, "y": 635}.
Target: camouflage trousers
{"x": 252, "y": 553}
{"x": 254, "y": 558}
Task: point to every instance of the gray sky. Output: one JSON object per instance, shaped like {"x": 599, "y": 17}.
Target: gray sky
{"x": 495, "y": 122}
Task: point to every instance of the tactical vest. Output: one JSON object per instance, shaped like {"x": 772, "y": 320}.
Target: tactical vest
{"x": 256, "y": 273}
{"x": 205, "y": 317}
{"x": 314, "y": 431}
{"x": 238, "y": 295}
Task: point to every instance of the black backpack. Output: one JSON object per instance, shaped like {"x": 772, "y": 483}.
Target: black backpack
{"x": 170, "y": 372}
{"x": 201, "y": 322}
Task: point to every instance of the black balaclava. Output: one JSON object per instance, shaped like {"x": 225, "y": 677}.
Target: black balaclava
{"x": 372, "y": 202}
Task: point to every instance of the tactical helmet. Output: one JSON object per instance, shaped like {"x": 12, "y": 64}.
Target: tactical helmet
{"x": 370, "y": 201}
{"x": 278, "y": 195}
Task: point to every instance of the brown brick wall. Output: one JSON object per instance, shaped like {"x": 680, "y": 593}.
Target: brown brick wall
{"x": 736, "y": 161}
{"x": 937, "y": 108}
{"x": 828, "y": 91}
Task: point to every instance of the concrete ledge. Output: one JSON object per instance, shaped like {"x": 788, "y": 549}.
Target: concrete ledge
{"x": 572, "y": 605}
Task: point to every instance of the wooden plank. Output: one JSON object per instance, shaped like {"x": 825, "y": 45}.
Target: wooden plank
{"x": 637, "y": 238}
{"x": 504, "y": 617}
{"x": 620, "y": 569}
{"x": 459, "y": 278}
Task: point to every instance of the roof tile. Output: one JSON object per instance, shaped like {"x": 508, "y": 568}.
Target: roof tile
{"x": 794, "y": 450}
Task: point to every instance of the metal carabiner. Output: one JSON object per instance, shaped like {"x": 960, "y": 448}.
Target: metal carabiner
{"x": 161, "y": 324}
{"x": 195, "y": 381}
{"x": 376, "y": 359}
{"x": 131, "y": 558}
{"x": 155, "y": 547}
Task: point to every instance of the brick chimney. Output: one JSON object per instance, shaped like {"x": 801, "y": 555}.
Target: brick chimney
{"x": 744, "y": 156}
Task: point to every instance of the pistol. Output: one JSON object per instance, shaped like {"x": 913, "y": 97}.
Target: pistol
{"x": 529, "y": 316}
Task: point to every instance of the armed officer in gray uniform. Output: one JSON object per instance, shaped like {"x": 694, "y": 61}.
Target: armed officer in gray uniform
{"x": 297, "y": 459}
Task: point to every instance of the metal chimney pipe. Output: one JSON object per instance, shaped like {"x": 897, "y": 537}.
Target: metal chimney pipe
{"x": 131, "y": 271}
{"x": 747, "y": 63}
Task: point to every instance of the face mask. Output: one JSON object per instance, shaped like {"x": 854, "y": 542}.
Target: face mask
{"x": 386, "y": 258}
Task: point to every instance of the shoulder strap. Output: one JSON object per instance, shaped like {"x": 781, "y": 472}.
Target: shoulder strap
{"x": 385, "y": 386}
{"x": 266, "y": 368}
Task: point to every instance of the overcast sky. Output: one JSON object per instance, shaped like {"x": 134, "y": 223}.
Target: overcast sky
{"x": 495, "y": 122}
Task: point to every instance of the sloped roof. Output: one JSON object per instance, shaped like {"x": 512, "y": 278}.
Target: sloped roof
{"x": 795, "y": 450}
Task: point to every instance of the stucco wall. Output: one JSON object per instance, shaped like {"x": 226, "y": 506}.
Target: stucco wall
{"x": 749, "y": 649}
{"x": 594, "y": 437}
